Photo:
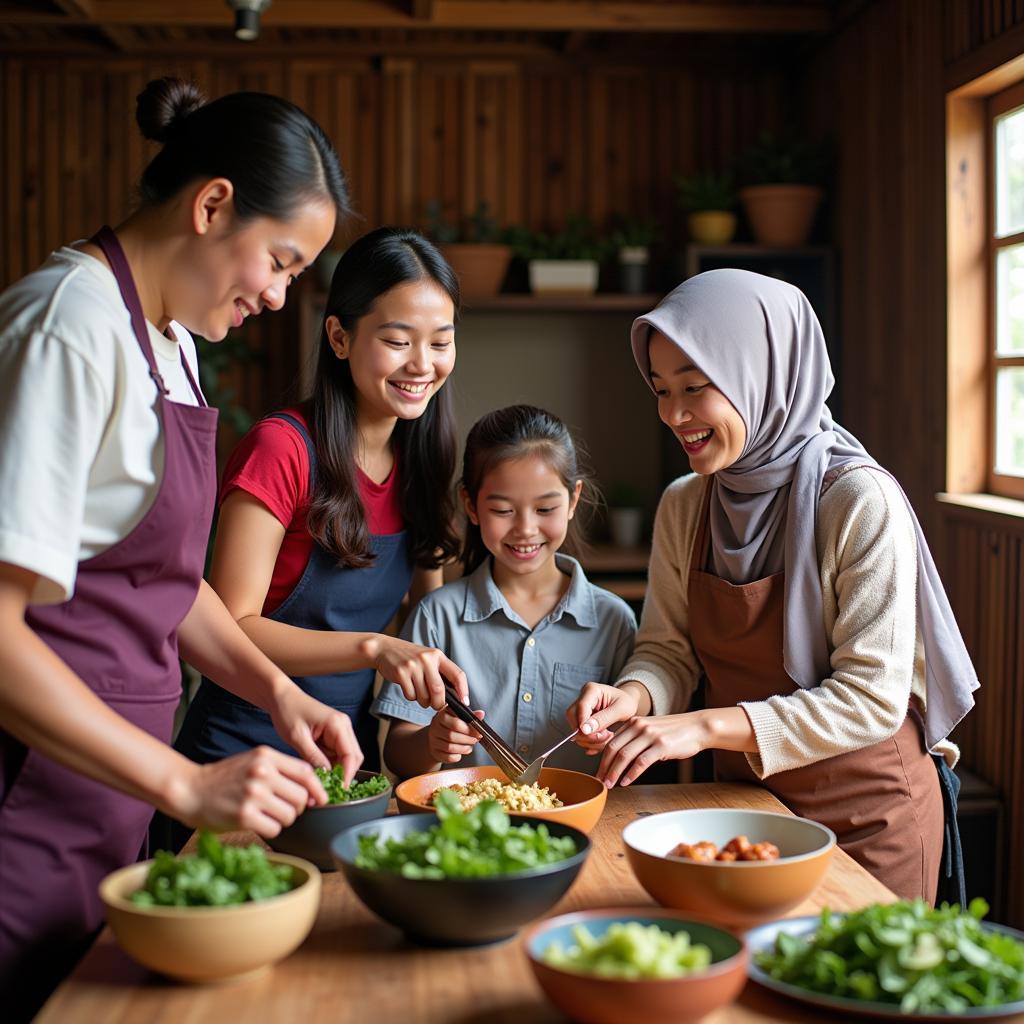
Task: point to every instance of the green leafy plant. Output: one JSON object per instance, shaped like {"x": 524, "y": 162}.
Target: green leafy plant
{"x": 333, "y": 780}
{"x": 216, "y": 876}
{"x": 633, "y": 232}
{"x": 215, "y": 360}
{"x": 475, "y": 844}
{"x": 621, "y": 494}
{"x": 699, "y": 193}
{"x": 578, "y": 240}
{"x": 783, "y": 160}
{"x": 479, "y": 227}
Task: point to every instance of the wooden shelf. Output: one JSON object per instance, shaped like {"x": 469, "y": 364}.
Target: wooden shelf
{"x": 599, "y": 303}
{"x": 602, "y": 302}
{"x": 609, "y": 558}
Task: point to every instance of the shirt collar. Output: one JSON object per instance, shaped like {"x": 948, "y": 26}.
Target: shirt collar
{"x": 483, "y": 598}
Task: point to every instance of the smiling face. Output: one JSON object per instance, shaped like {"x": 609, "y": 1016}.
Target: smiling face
{"x": 706, "y": 423}
{"x": 401, "y": 352}
{"x": 231, "y": 272}
{"x": 523, "y": 510}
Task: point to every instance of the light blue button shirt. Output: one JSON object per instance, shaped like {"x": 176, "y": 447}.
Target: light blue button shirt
{"x": 524, "y": 679}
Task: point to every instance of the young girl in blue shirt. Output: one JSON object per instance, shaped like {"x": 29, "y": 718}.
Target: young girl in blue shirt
{"x": 524, "y": 623}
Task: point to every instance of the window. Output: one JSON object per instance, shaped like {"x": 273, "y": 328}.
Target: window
{"x": 1006, "y": 292}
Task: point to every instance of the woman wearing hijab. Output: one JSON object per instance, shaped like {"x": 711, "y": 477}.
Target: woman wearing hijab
{"x": 791, "y": 573}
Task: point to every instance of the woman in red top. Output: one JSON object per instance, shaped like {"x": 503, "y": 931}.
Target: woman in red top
{"x": 331, "y": 513}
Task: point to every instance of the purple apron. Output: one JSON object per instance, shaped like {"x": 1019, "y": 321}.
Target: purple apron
{"x": 61, "y": 832}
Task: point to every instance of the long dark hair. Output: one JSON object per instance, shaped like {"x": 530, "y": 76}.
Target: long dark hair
{"x": 425, "y": 447}
{"x": 274, "y": 154}
{"x": 514, "y": 433}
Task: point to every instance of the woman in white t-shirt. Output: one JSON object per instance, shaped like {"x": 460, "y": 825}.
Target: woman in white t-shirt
{"x": 107, "y": 474}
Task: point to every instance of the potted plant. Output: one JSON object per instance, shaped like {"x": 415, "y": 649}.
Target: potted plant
{"x": 631, "y": 238}
{"x": 709, "y": 200}
{"x": 782, "y": 188}
{"x": 566, "y": 262}
{"x": 625, "y": 514}
{"x": 473, "y": 248}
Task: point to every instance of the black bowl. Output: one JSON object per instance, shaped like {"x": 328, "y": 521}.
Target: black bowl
{"x": 310, "y": 835}
{"x": 456, "y": 911}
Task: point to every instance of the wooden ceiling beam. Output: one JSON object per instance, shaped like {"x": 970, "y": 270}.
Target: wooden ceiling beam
{"x": 537, "y": 15}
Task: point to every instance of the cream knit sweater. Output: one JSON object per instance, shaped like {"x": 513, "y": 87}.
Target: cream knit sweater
{"x": 867, "y": 550}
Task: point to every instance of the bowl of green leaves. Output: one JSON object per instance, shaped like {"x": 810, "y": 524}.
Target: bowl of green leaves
{"x": 311, "y": 833}
{"x": 645, "y": 963}
{"x": 459, "y": 878}
{"x": 903, "y": 960}
{"x": 222, "y": 912}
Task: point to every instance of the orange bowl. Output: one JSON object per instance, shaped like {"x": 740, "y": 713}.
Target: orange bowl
{"x": 582, "y": 795}
{"x": 594, "y": 999}
{"x": 737, "y": 894}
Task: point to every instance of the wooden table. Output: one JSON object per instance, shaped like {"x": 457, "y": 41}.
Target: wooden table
{"x": 355, "y": 968}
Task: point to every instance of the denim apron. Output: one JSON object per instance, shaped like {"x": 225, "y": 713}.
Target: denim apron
{"x": 61, "y": 832}
{"x": 219, "y": 724}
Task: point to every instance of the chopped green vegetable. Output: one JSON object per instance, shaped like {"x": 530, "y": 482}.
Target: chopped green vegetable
{"x": 216, "y": 876}
{"x": 475, "y": 844}
{"x": 333, "y": 780}
{"x": 924, "y": 960}
{"x": 631, "y": 950}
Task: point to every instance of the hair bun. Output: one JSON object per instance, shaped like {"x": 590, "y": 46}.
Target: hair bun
{"x": 164, "y": 104}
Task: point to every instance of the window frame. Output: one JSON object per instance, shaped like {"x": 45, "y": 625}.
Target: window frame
{"x": 997, "y": 104}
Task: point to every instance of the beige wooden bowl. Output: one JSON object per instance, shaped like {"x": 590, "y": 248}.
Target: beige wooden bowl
{"x": 582, "y": 795}
{"x": 203, "y": 944}
{"x": 737, "y": 894}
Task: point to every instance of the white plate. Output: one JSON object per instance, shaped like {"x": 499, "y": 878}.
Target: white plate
{"x": 763, "y": 937}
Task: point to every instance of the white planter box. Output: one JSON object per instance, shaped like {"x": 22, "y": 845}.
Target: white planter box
{"x": 563, "y": 277}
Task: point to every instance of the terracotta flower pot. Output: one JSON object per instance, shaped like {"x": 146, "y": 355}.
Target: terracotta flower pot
{"x": 712, "y": 227}
{"x": 781, "y": 215}
{"x": 479, "y": 267}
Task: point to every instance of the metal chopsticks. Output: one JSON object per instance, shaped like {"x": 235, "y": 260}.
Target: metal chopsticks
{"x": 502, "y": 754}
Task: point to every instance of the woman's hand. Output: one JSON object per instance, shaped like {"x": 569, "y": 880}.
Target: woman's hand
{"x": 449, "y": 738}
{"x": 419, "y": 671}
{"x": 597, "y": 709}
{"x": 320, "y": 734}
{"x": 261, "y": 790}
{"x": 644, "y": 741}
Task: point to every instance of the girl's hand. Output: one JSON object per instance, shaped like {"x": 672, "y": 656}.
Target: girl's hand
{"x": 419, "y": 671}
{"x": 597, "y": 709}
{"x": 320, "y": 734}
{"x": 261, "y": 790}
{"x": 450, "y": 739}
{"x": 643, "y": 741}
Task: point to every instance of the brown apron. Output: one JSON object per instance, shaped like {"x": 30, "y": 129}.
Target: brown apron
{"x": 883, "y": 802}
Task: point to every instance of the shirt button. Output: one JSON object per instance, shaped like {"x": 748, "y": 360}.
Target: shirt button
{"x": 524, "y": 749}
{"x": 527, "y": 697}
{"x": 531, "y": 642}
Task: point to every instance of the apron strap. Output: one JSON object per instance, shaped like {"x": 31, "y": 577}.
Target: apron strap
{"x": 107, "y": 241}
{"x": 310, "y": 448}
{"x": 702, "y": 540}
{"x": 192, "y": 381}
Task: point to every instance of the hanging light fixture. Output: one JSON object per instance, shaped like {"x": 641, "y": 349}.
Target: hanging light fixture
{"x": 247, "y": 17}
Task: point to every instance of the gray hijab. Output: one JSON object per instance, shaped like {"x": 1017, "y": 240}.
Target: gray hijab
{"x": 758, "y": 341}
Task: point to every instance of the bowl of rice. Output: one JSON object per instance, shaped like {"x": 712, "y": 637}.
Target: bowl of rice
{"x": 569, "y": 797}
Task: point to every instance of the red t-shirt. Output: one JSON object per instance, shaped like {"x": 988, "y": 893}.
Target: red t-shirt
{"x": 271, "y": 463}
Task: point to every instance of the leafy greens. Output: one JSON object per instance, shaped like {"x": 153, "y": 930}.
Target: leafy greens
{"x": 922, "y": 959}
{"x": 216, "y": 876}
{"x": 475, "y": 844}
{"x": 333, "y": 780}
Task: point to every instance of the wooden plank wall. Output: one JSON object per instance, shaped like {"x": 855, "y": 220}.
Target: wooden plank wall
{"x": 881, "y": 79}
{"x": 535, "y": 141}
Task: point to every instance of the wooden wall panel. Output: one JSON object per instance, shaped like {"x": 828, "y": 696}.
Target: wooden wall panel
{"x": 882, "y": 81}
{"x": 535, "y": 141}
